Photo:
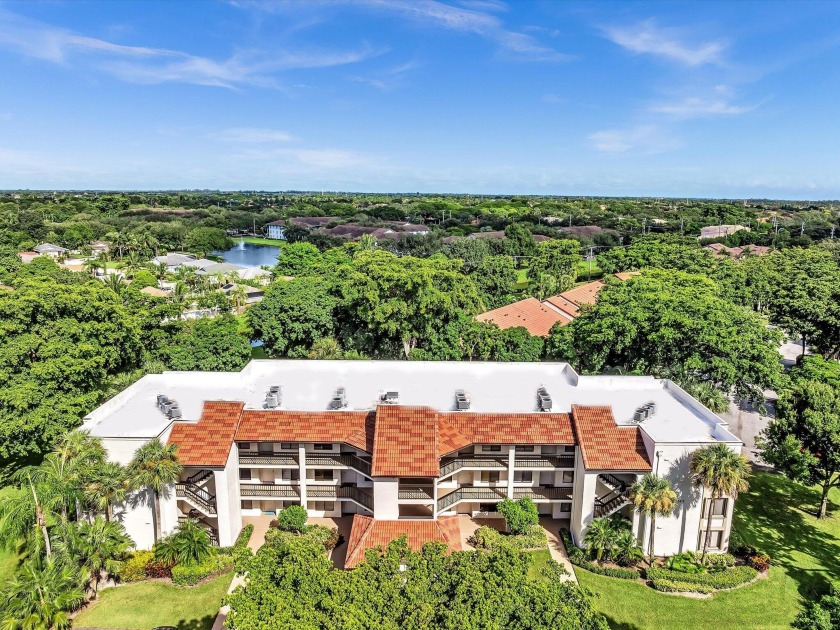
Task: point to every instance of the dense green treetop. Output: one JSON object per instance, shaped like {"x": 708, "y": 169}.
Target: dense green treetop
{"x": 209, "y": 344}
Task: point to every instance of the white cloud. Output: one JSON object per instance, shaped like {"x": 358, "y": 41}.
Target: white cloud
{"x": 140, "y": 64}
{"x": 649, "y": 38}
{"x": 697, "y": 107}
{"x": 646, "y": 139}
{"x": 251, "y": 135}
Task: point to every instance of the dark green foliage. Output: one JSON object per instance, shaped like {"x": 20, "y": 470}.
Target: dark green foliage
{"x": 190, "y": 574}
{"x": 189, "y": 544}
{"x": 578, "y": 557}
{"x": 296, "y": 259}
{"x": 292, "y": 518}
{"x": 203, "y": 240}
{"x": 823, "y": 614}
{"x": 520, "y": 516}
{"x": 212, "y": 344}
{"x": 659, "y": 252}
{"x": 727, "y": 578}
{"x": 488, "y": 538}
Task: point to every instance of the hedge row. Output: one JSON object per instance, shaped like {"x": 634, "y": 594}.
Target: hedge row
{"x": 488, "y": 538}
{"x": 673, "y": 586}
{"x": 192, "y": 574}
{"x": 578, "y": 558}
{"x": 728, "y": 578}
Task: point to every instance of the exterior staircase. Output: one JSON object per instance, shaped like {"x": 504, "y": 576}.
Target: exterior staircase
{"x": 193, "y": 492}
{"x": 211, "y": 531}
{"x": 615, "y": 499}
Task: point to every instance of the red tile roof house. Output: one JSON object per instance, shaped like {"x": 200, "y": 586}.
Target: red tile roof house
{"x": 414, "y": 448}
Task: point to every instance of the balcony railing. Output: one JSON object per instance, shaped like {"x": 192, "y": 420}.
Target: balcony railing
{"x": 544, "y": 461}
{"x": 417, "y": 492}
{"x": 269, "y": 490}
{"x": 198, "y": 496}
{"x": 340, "y": 459}
{"x": 471, "y": 461}
{"x": 484, "y": 495}
{"x": 552, "y": 494}
{"x": 267, "y": 459}
{"x": 331, "y": 493}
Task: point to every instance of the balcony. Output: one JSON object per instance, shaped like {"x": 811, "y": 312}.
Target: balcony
{"x": 332, "y": 493}
{"x": 267, "y": 459}
{"x": 339, "y": 459}
{"x": 543, "y": 461}
{"x": 544, "y": 494}
{"x": 472, "y": 461}
{"x": 275, "y": 491}
{"x": 425, "y": 493}
{"x": 483, "y": 495}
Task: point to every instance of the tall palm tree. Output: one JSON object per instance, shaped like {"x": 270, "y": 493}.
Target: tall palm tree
{"x": 41, "y": 596}
{"x": 652, "y": 495}
{"x": 238, "y": 296}
{"x": 120, "y": 240}
{"x": 155, "y": 466}
{"x": 599, "y": 537}
{"x": 97, "y": 547}
{"x": 114, "y": 282}
{"x": 59, "y": 481}
{"x": 107, "y": 484}
{"x": 92, "y": 265}
{"x": 23, "y": 516}
{"x": 159, "y": 270}
{"x": 723, "y": 473}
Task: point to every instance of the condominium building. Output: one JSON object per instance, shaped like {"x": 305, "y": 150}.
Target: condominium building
{"x": 414, "y": 447}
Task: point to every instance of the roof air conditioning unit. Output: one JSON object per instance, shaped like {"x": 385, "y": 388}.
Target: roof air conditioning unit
{"x": 543, "y": 399}
{"x": 644, "y": 412}
{"x": 167, "y": 406}
{"x": 339, "y": 400}
{"x": 160, "y": 400}
{"x": 273, "y": 397}
{"x": 462, "y": 403}
{"x": 390, "y": 398}
{"x": 174, "y": 412}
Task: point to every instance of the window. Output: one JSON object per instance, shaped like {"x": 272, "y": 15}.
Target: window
{"x": 322, "y": 506}
{"x": 290, "y": 474}
{"x": 490, "y": 476}
{"x": 323, "y": 447}
{"x": 323, "y": 475}
{"x": 245, "y": 474}
{"x": 548, "y": 450}
{"x": 719, "y": 508}
{"x": 491, "y": 448}
{"x": 287, "y": 446}
{"x": 715, "y": 541}
{"x": 244, "y": 446}
{"x": 565, "y": 507}
{"x": 569, "y": 449}
{"x": 247, "y": 505}
{"x": 266, "y": 448}
{"x": 487, "y": 507}
{"x": 523, "y": 476}
{"x": 568, "y": 477}
{"x": 524, "y": 449}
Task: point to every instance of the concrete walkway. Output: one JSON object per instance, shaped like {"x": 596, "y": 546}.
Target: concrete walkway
{"x": 556, "y": 547}
{"x": 219, "y": 622}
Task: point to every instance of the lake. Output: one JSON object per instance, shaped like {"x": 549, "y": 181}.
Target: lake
{"x": 248, "y": 255}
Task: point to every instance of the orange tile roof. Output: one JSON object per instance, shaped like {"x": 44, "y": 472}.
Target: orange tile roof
{"x": 368, "y": 533}
{"x": 562, "y": 304}
{"x": 405, "y": 442}
{"x": 510, "y": 428}
{"x": 208, "y": 441}
{"x": 529, "y": 313}
{"x": 351, "y": 427}
{"x": 584, "y": 294}
{"x": 606, "y": 446}
{"x": 626, "y": 275}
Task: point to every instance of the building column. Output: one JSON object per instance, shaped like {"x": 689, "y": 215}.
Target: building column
{"x": 511, "y": 463}
{"x": 302, "y": 473}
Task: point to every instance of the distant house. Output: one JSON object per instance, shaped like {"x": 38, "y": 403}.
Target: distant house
{"x": 496, "y": 235}
{"x": 155, "y": 292}
{"x": 253, "y": 295}
{"x": 719, "y": 231}
{"x": 276, "y": 229}
{"x": 48, "y": 249}
{"x": 99, "y": 247}
{"x": 173, "y": 261}
{"x": 720, "y": 250}
{"x": 27, "y": 257}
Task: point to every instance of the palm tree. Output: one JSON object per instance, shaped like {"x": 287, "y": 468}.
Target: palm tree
{"x": 367, "y": 242}
{"x": 59, "y": 481}
{"x": 155, "y": 466}
{"x": 599, "y": 537}
{"x": 189, "y": 545}
{"x": 114, "y": 282}
{"x": 92, "y": 265}
{"x": 325, "y": 348}
{"x": 131, "y": 264}
{"x": 159, "y": 270}
{"x": 108, "y": 484}
{"x": 97, "y": 547}
{"x": 238, "y": 296}
{"x": 626, "y": 548}
{"x": 23, "y": 516}
{"x": 723, "y": 473}
{"x": 653, "y": 496}
{"x": 120, "y": 240}
{"x": 41, "y": 595}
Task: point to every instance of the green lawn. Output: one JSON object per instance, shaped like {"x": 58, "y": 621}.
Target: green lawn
{"x": 776, "y": 516}
{"x": 541, "y": 558}
{"x": 146, "y": 605}
{"x": 522, "y": 281}
{"x": 584, "y": 271}
{"x": 256, "y": 240}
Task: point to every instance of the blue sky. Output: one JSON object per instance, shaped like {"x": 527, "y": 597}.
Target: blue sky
{"x": 703, "y": 99}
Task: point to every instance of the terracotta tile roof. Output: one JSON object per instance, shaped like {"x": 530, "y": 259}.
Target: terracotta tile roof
{"x": 405, "y": 442}
{"x": 562, "y": 304}
{"x": 529, "y": 313}
{"x": 368, "y": 533}
{"x": 351, "y": 427}
{"x": 606, "y": 446}
{"x": 626, "y": 275}
{"x": 208, "y": 441}
{"x": 510, "y": 428}
{"x": 584, "y": 294}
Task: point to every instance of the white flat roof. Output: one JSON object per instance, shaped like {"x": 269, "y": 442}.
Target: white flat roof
{"x": 491, "y": 387}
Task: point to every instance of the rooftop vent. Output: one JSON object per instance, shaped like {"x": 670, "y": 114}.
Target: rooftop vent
{"x": 273, "y": 397}
{"x": 462, "y": 403}
{"x": 644, "y": 412}
{"x": 339, "y": 399}
{"x": 390, "y": 398}
{"x": 174, "y": 412}
{"x": 543, "y": 399}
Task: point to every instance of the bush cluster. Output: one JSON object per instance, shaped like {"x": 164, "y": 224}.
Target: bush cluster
{"x": 292, "y": 518}
{"x": 716, "y": 560}
{"x": 674, "y": 586}
{"x": 728, "y": 578}
{"x": 192, "y": 574}
{"x": 578, "y": 558}
{"x": 158, "y": 569}
{"x": 133, "y": 569}
{"x": 520, "y": 516}
{"x": 759, "y": 562}
{"x": 488, "y": 538}
{"x": 323, "y": 535}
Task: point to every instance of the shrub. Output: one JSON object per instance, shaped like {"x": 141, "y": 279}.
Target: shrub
{"x": 686, "y": 562}
{"x": 578, "y": 558}
{"x": 488, "y": 538}
{"x": 673, "y": 586}
{"x": 327, "y": 536}
{"x": 820, "y": 615}
{"x": 759, "y": 562}
{"x": 134, "y": 567}
{"x": 717, "y": 561}
{"x": 158, "y": 569}
{"x": 745, "y": 551}
{"x": 520, "y": 516}
{"x": 190, "y": 544}
{"x": 292, "y": 518}
{"x": 192, "y": 574}
{"x": 728, "y": 578}
{"x": 244, "y": 537}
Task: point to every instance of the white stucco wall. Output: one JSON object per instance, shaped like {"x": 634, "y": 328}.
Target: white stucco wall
{"x": 228, "y": 506}
{"x": 386, "y": 492}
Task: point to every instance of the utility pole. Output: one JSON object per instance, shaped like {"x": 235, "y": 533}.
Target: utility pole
{"x": 682, "y": 221}
{"x": 591, "y": 256}
{"x": 802, "y": 229}
{"x": 832, "y": 231}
